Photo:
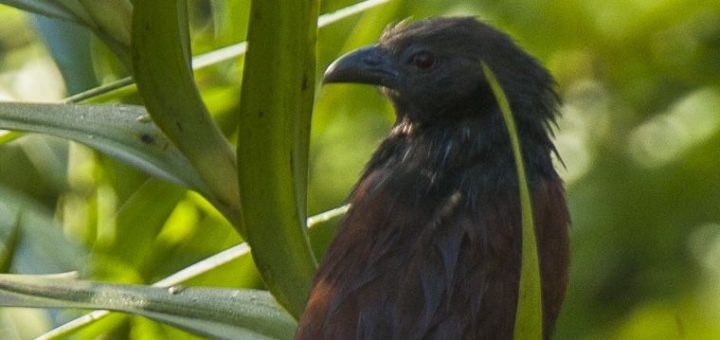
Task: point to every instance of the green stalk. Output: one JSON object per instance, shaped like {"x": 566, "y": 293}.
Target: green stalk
{"x": 274, "y": 125}
{"x": 162, "y": 70}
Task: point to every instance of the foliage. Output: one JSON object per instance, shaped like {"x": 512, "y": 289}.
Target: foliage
{"x": 528, "y": 321}
{"x": 274, "y": 113}
{"x": 639, "y": 137}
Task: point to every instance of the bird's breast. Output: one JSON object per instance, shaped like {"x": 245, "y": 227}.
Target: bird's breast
{"x": 408, "y": 263}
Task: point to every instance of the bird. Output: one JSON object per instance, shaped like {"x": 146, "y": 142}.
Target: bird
{"x": 430, "y": 247}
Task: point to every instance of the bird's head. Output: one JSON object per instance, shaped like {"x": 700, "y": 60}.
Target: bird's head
{"x": 432, "y": 71}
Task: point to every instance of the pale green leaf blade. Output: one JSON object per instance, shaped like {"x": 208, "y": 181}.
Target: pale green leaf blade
{"x": 217, "y": 313}
{"x": 528, "y": 318}
{"x": 206, "y": 265}
{"x": 121, "y": 131}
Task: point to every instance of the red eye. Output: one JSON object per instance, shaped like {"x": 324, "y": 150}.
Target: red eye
{"x": 423, "y": 60}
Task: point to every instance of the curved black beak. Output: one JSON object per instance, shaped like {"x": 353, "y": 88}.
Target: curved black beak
{"x": 370, "y": 65}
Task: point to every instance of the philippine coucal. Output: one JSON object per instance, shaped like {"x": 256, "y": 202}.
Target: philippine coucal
{"x": 430, "y": 248}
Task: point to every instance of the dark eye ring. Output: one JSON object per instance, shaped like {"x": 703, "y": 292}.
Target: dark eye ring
{"x": 423, "y": 60}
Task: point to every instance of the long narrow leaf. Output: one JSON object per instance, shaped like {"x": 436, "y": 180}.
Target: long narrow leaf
{"x": 41, "y": 245}
{"x": 274, "y": 124}
{"x": 69, "y": 46}
{"x": 47, "y": 8}
{"x": 217, "y": 313}
{"x": 8, "y": 245}
{"x": 161, "y": 60}
{"x": 187, "y": 273}
{"x": 528, "y": 319}
{"x": 107, "y": 19}
{"x": 140, "y": 225}
{"x": 111, "y": 16}
{"x": 123, "y": 131}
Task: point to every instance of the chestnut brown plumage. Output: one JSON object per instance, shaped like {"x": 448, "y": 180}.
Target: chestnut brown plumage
{"x": 430, "y": 248}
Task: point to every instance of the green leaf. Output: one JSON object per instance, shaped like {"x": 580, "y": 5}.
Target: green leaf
{"x": 78, "y": 10}
{"x": 274, "y": 126}
{"x": 8, "y": 245}
{"x": 111, "y": 16}
{"x": 217, "y": 313}
{"x": 121, "y": 131}
{"x": 138, "y": 224}
{"x": 69, "y": 46}
{"x": 41, "y": 245}
{"x": 107, "y": 19}
{"x": 229, "y": 52}
{"x": 528, "y": 318}
{"x": 211, "y": 263}
{"x": 161, "y": 60}
{"x": 47, "y": 8}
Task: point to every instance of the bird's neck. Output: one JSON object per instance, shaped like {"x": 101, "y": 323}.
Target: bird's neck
{"x": 470, "y": 154}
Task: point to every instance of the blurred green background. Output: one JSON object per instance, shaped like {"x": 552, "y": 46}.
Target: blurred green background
{"x": 639, "y": 136}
